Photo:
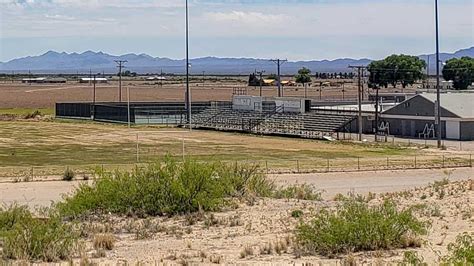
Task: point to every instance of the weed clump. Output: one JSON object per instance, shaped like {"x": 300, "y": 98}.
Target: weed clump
{"x": 68, "y": 175}
{"x": 355, "y": 226}
{"x": 26, "y": 237}
{"x": 299, "y": 192}
{"x": 461, "y": 251}
{"x": 166, "y": 188}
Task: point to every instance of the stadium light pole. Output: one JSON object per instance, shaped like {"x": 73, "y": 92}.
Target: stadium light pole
{"x": 93, "y": 104}
{"x": 188, "y": 92}
{"x": 438, "y": 95}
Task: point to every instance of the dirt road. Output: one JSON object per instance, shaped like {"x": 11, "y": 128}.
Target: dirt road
{"x": 36, "y": 194}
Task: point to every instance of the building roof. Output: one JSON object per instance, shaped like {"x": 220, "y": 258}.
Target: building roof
{"x": 461, "y": 104}
{"x": 156, "y": 78}
{"x": 92, "y": 79}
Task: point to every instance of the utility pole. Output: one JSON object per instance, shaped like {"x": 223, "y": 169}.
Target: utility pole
{"x": 188, "y": 91}
{"x": 428, "y": 73}
{"x": 128, "y": 107}
{"x": 120, "y": 65}
{"x": 161, "y": 78}
{"x": 343, "y": 90}
{"x": 360, "y": 70}
{"x": 279, "y": 62}
{"x": 260, "y": 81}
{"x": 438, "y": 96}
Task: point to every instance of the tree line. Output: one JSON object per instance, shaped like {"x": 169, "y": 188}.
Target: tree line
{"x": 404, "y": 70}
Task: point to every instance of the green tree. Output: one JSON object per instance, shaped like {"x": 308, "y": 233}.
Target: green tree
{"x": 396, "y": 69}
{"x": 273, "y": 76}
{"x": 460, "y": 71}
{"x": 304, "y": 77}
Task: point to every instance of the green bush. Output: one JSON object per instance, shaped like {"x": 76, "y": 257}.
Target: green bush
{"x": 355, "y": 226}
{"x": 28, "y": 238}
{"x": 68, "y": 175}
{"x": 461, "y": 251}
{"x": 166, "y": 188}
{"x": 11, "y": 216}
{"x": 300, "y": 192}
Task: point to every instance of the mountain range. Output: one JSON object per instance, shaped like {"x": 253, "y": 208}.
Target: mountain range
{"x": 54, "y": 62}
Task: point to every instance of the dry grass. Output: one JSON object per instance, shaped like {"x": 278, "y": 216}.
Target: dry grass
{"x": 104, "y": 241}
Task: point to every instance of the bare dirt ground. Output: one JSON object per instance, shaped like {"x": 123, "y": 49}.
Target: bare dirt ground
{"x": 222, "y": 237}
{"x": 17, "y": 95}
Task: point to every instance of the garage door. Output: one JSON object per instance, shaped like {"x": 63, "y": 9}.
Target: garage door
{"x": 452, "y": 130}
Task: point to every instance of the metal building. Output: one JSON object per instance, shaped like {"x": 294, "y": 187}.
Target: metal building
{"x": 414, "y": 117}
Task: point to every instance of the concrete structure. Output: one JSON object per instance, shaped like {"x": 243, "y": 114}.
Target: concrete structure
{"x": 277, "y": 104}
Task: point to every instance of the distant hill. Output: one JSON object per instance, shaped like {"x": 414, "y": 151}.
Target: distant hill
{"x": 54, "y": 62}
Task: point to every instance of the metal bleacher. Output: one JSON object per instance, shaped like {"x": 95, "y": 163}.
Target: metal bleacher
{"x": 272, "y": 122}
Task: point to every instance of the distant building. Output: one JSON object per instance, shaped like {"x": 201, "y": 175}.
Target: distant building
{"x": 55, "y": 80}
{"x": 97, "y": 80}
{"x": 33, "y": 80}
{"x": 154, "y": 78}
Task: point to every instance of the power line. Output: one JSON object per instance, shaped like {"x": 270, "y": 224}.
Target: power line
{"x": 279, "y": 62}
{"x": 120, "y": 65}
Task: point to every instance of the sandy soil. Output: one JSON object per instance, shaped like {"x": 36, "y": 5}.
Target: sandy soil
{"x": 222, "y": 237}
{"x": 257, "y": 225}
{"x": 16, "y": 95}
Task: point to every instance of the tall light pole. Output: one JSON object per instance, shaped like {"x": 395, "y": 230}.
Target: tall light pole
{"x": 93, "y": 104}
{"x": 438, "y": 96}
{"x": 188, "y": 92}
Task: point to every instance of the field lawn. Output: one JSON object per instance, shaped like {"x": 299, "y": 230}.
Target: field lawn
{"x": 84, "y": 144}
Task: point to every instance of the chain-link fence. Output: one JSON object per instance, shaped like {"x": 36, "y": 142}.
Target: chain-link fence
{"x": 31, "y": 173}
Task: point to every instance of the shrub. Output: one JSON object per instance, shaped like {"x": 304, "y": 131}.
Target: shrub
{"x": 32, "y": 115}
{"x": 244, "y": 179}
{"x": 412, "y": 258}
{"x": 104, "y": 241}
{"x": 166, "y": 188}
{"x": 68, "y": 175}
{"x": 461, "y": 251}
{"x": 296, "y": 213}
{"x": 355, "y": 226}
{"x": 300, "y": 192}
{"x": 30, "y": 238}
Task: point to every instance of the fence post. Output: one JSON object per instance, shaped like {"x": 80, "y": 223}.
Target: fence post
{"x": 415, "y": 162}
{"x": 327, "y": 169}
{"x": 32, "y": 173}
{"x": 470, "y": 160}
{"x": 388, "y": 164}
{"x": 298, "y": 166}
{"x": 358, "y": 163}
{"x": 443, "y": 161}
{"x": 266, "y": 166}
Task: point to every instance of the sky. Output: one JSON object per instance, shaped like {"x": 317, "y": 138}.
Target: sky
{"x": 292, "y": 29}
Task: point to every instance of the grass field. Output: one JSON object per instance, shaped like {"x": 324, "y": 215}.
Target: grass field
{"x": 82, "y": 145}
